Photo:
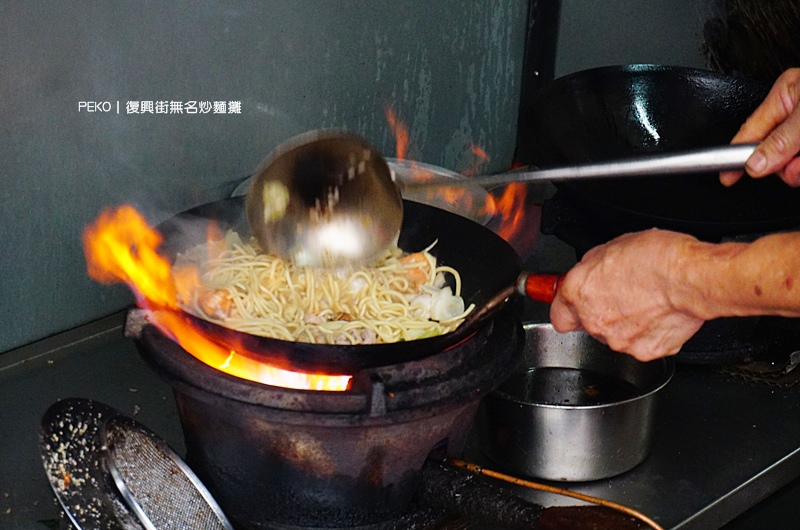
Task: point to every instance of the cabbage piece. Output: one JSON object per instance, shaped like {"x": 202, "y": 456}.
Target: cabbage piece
{"x": 445, "y": 305}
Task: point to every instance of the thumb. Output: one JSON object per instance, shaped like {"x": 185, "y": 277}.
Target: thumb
{"x": 563, "y": 316}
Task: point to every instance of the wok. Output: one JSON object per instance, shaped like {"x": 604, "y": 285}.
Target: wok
{"x": 490, "y": 270}
{"x": 621, "y": 111}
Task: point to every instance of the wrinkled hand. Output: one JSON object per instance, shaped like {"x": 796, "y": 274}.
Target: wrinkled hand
{"x": 622, "y": 294}
{"x": 776, "y": 124}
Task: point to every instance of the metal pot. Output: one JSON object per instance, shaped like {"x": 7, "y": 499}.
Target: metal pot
{"x": 573, "y": 410}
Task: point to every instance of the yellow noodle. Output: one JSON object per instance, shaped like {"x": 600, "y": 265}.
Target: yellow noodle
{"x": 243, "y": 289}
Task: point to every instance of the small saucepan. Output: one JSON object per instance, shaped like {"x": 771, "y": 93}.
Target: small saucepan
{"x": 572, "y": 410}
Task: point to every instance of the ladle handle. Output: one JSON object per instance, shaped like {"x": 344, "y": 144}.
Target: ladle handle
{"x": 721, "y": 158}
{"x": 539, "y": 287}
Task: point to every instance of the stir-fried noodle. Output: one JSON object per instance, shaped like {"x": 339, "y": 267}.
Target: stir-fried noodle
{"x": 403, "y": 297}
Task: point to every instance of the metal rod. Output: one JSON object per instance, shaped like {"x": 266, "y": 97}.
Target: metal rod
{"x": 723, "y": 158}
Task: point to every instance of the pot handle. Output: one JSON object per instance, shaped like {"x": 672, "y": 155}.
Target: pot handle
{"x": 539, "y": 287}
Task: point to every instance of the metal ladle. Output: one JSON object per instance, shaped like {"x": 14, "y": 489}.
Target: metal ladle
{"x": 328, "y": 198}
{"x": 325, "y": 199}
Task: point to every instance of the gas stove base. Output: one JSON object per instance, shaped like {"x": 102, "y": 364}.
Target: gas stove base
{"x": 455, "y": 499}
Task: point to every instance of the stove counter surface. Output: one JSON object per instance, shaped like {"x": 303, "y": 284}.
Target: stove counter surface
{"x": 721, "y": 444}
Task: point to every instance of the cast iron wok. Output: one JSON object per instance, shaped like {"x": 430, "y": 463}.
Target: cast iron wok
{"x": 490, "y": 270}
{"x": 621, "y": 111}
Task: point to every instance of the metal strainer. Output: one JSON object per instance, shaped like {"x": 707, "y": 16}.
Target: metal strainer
{"x": 110, "y": 472}
{"x": 155, "y": 483}
{"x": 73, "y": 458}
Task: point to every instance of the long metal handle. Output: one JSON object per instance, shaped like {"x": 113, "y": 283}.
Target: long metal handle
{"x": 723, "y": 158}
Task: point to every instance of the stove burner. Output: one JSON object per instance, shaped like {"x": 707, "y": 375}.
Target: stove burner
{"x": 283, "y": 458}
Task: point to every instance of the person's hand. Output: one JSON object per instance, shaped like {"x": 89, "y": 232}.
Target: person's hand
{"x": 621, "y": 293}
{"x": 776, "y": 124}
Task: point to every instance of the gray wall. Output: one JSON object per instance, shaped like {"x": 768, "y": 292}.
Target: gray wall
{"x": 608, "y": 32}
{"x": 451, "y": 69}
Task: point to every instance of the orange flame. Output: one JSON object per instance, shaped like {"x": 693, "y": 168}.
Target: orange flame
{"x": 479, "y": 152}
{"x": 400, "y": 132}
{"x": 121, "y": 246}
{"x": 509, "y": 207}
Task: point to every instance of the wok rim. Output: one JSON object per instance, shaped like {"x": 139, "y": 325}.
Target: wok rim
{"x": 337, "y": 359}
{"x": 743, "y": 95}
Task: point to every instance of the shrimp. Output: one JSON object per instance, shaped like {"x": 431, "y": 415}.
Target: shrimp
{"x": 216, "y": 303}
{"x": 418, "y": 268}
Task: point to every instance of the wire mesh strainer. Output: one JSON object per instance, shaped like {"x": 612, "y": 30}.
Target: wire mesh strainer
{"x": 73, "y": 458}
{"x": 155, "y": 483}
{"x": 110, "y": 472}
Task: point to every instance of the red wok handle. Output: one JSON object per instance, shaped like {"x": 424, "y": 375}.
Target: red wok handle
{"x": 540, "y": 287}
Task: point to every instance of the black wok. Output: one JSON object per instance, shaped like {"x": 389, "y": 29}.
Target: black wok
{"x": 490, "y": 270}
{"x": 621, "y": 111}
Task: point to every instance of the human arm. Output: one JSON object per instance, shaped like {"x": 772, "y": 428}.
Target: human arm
{"x": 776, "y": 125}
{"x": 647, "y": 293}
